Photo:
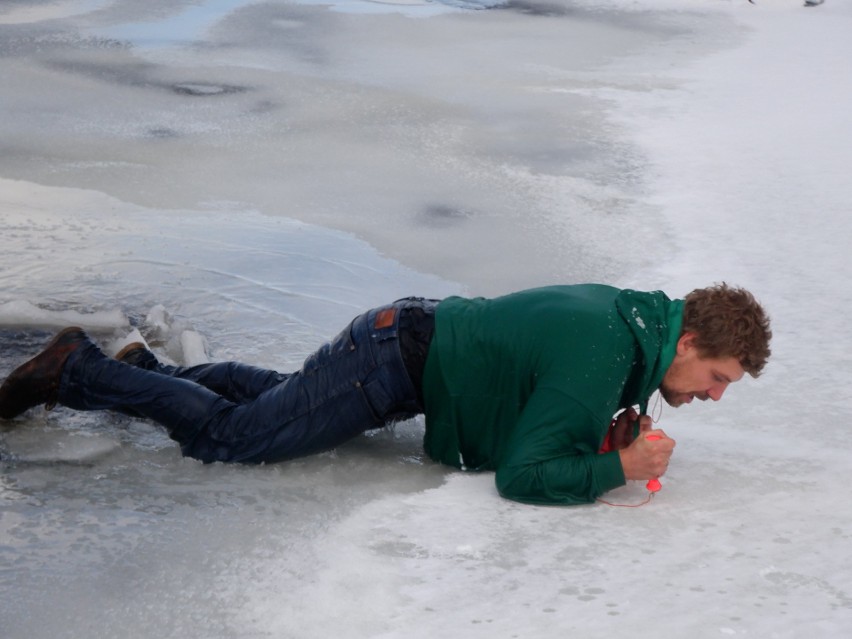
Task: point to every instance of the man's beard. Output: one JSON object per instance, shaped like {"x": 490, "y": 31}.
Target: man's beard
{"x": 671, "y": 397}
{"x": 675, "y": 398}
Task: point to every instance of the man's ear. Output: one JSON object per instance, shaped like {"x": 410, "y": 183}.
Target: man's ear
{"x": 686, "y": 343}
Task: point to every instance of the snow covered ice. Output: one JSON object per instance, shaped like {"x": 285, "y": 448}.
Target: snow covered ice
{"x": 236, "y": 180}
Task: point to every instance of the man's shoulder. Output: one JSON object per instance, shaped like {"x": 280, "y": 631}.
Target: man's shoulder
{"x": 590, "y": 291}
{"x": 572, "y": 312}
{"x": 557, "y": 296}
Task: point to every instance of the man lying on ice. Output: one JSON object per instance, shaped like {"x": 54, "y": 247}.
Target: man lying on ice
{"x": 526, "y": 384}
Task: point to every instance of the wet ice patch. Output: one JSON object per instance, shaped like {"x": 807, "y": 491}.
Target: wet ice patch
{"x": 37, "y": 446}
{"x": 443, "y": 215}
{"x": 27, "y": 13}
{"x": 282, "y": 285}
{"x": 200, "y": 89}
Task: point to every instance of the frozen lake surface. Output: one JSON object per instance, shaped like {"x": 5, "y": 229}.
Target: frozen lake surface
{"x": 236, "y": 180}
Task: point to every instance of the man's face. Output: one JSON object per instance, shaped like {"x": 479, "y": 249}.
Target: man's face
{"x": 692, "y": 376}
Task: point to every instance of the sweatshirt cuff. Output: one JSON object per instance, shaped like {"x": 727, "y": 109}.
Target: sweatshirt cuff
{"x": 607, "y": 472}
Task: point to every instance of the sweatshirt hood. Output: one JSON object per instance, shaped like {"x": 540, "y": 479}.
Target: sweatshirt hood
{"x": 656, "y": 322}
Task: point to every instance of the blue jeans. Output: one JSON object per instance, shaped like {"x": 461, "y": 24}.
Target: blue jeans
{"x": 233, "y": 412}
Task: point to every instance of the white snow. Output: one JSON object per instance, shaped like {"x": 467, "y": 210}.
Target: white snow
{"x": 246, "y": 177}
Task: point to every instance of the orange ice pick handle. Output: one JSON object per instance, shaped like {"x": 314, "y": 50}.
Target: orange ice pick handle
{"x": 653, "y": 484}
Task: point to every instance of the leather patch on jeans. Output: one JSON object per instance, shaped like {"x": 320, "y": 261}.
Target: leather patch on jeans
{"x": 384, "y": 318}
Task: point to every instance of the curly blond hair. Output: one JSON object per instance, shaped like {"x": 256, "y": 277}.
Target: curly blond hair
{"x": 728, "y": 322}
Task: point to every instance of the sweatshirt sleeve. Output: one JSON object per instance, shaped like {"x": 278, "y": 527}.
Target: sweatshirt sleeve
{"x": 552, "y": 454}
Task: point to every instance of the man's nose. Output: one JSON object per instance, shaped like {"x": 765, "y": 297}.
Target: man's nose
{"x": 715, "y": 392}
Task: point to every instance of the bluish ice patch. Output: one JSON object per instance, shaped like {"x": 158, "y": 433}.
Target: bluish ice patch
{"x": 190, "y": 24}
{"x": 186, "y": 26}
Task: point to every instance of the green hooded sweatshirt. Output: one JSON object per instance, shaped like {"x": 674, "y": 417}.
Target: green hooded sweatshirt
{"x": 527, "y": 384}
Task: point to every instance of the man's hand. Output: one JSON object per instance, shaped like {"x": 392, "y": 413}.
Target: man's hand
{"x": 644, "y": 458}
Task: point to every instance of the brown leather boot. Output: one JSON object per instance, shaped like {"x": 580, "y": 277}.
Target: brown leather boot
{"x": 37, "y": 381}
{"x": 137, "y": 354}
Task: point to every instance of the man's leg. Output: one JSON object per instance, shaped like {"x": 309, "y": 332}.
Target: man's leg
{"x": 356, "y": 382}
{"x": 237, "y": 382}
{"x": 232, "y": 380}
